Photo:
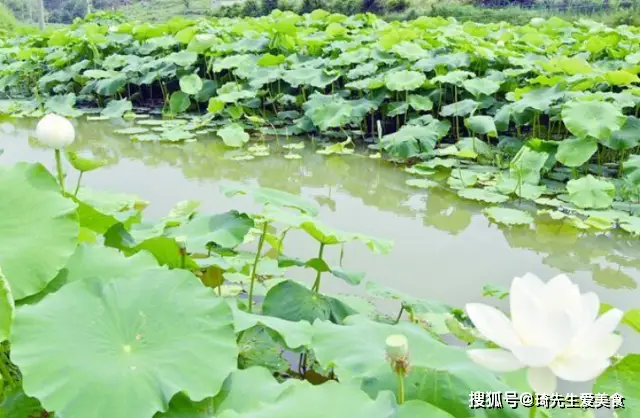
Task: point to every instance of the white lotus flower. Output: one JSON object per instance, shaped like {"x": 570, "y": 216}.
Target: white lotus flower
{"x": 55, "y": 131}
{"x": 554, "y": 332}
{"x": 500, "y": 43}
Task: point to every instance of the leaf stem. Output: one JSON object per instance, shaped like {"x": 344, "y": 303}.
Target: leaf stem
{"x": 316, "y": 284}
{"x": 255, "y": 264}
{"x": 400, "y": 314}
{"x": 78, "y": 184}
{"x": 59, "y": 170}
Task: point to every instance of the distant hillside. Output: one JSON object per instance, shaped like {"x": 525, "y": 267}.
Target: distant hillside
{"x": 160, "y": 10}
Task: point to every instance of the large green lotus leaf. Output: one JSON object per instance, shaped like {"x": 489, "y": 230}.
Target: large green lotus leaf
{"x": 191, "y": 84}
{"x": 595, "y": 119}
{"x": 97, "y": 262}
{"x": 267, "y": 196}
{"x": 481, "y": 86}
{"x": 7, "y": 308}
{"x": 233, "y": 136}
{"x": 294, "y": 334}
{"x": 179, "y": 102}
{"x": 461, "y": 108}
{"x": 63, "y": 105}
{"x": 591, "y": 193}
{"x": 404, "y": 80}
{"x": 409, "y": 51}
{"x": 314, "y": 77}
{"x": 481, "y": 124}
{"x": 414, "y": 409}
{"x": 133, "y": 344}
{"x": 330, "y": 114}
{"x": 440, "y": 374}
{"x": 631, "y": 169}
{"x": 412, "y": 140}
{"x": 38, "y": 228}
{"x": 482, "y": 195}
{"x": 292, "y": 301}
{"x": 508, "y": 216}
{"x": 225, "y": 229}
{"x": 627, "y": 137}
{"x": 182, "y": 58}
{"x": 622, "y": 378}
{"x": 576, "y": 151}
{"x": 330, "y": 399}
{"x": 117, "y": 108}
{"x": 100, "y": 210}
{"x": 456, "y": 77}
{"x": 111, "y": 86}
{"x": 527, "y": 164}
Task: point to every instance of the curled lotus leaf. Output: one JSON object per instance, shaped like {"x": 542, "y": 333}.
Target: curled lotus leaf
{"x": 38, "y": 228}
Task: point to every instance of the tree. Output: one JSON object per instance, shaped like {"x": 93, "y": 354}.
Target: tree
{"x": 41, "y": 14}
{"x": 269, "y": 6}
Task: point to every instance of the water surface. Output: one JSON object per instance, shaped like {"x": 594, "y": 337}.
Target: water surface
{"x": 445, "y": 248}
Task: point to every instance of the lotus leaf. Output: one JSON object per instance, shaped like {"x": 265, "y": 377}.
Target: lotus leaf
{"x": 441, "y": 375}
{"x": 126, "y": 338}
{"x": 462, "y": 108}
{"x": 191, "y": 84}
{"x": 179, "y": 102}
{"x": 483, "y": 125}
{"x": 278, "y": 198}
{"x": 405, "y": 80}
{"x": 117, "y": 108}
{"x": 227, "y": 230}
{"x": 507, "y": 216}
{"x": 38, "y": 228}
{"x": 7, "y": 308}
{"x": 620, "y": 378}
{"x": 575, "y": 152}
{"x": 591, "y": 193}
{"x": 483, "y": 195}
{"x": 233, "y": 136}
{"x": 305, "y": 399}
{"x": 294, "y": 334}
{"x": 595, "y": 119}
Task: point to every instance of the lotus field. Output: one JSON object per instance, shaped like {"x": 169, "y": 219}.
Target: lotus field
{"x": 105, "y": 313}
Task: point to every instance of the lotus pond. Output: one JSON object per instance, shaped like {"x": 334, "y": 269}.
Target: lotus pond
{"x": 285, "y": 217}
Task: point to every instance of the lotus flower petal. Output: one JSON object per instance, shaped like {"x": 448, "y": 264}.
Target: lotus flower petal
{"x": 493, "y": 325}
{"x": 496, "y": 359}
{"x": 605, "y": 348}
{"x": 534, "y": 356}
{"x": 542, "y": 379}
{"x": 579, "y": 369}
{"x": 590, "y": 307}
{"x": 560, "y": 293}
{"x": 534, "y": 325}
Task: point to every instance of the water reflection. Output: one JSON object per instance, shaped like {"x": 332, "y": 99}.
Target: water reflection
{"x": 445, "y": 247}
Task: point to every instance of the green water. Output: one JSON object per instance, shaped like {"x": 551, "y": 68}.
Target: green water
{"x": 445, "y": 248}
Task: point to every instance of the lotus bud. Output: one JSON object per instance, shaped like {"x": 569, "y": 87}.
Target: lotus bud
{"x": 55, "y": 131}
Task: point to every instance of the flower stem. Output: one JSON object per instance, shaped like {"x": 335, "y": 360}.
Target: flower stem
{"x": 532, "y": 411}
{"x": 400, "y": 388}
{"x": 78, "y": 184}
{"x": 59, "y": 170}
{"x": 255, "y": 264}
{"x": 316, "y": 284}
